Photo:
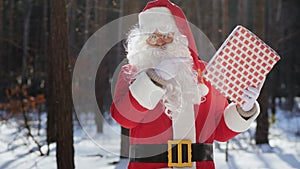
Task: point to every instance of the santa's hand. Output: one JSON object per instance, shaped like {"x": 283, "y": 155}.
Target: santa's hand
{"x": 250, "y": 96}
{"x": 168, "y": 68}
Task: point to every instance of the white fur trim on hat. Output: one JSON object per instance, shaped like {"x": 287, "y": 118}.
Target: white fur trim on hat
{"x": 157, "y": 18}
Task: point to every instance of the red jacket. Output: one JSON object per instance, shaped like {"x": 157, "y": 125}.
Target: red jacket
{"x": 155, "y": 127}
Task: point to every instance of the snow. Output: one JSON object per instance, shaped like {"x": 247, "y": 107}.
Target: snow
{"x": 101, "y": 151}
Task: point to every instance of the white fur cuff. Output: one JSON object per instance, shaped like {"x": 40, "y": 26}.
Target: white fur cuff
{"x": 146, "y": 92}
{"x": 235, "y": 121}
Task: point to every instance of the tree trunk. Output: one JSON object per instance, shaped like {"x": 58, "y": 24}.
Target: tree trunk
{"x": 11, "y": 24}
{"x": 87, "y": 19}
{"x": 242, "y": 12}
{"x": 262, "y": 128}
{"x": 274, "y": 75}
{"x": 96, "y": 14}
{"x": 194, "y": 15}
{"x": 232, "y": 13}
{"x": 216, "y": 26}
{"x": 62, "y": 85}
{"x": 225, "y": 20}
{"x": 26, "y": 37}
{"x": 131, "y": 7}
{"x": 72, "y": 19}
{"x": 51, "y": 114}
{"x": 207, "y": 18}
{"x": 120, "y": 44}
{"x": 1, "y": 32}
{"x": 101, "y": 88}
{"x": 102, "y": 74}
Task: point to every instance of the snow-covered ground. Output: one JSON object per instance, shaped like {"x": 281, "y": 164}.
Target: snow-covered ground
{"x": 96, "y": 151}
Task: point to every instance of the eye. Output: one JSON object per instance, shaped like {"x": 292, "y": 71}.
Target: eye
{"x": 165, "y": 36}
{"x": 153, "y": 37}
{"x": 151, "y": 40}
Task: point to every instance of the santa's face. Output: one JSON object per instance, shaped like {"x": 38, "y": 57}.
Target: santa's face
{"x": 147, "y": 50}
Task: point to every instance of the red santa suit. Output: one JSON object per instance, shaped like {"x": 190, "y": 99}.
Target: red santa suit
{"x": 138, "y": 105}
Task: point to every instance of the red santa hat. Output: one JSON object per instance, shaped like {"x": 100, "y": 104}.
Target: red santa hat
{"x": 160, "y": 13}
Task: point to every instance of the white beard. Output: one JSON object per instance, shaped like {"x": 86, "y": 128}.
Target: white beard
{"x": 184, "y": 86}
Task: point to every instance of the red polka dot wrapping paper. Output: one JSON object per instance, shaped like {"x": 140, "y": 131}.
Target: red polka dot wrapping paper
{"x": 243, "y": 60}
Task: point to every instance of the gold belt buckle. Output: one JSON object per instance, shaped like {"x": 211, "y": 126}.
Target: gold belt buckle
{"x": 179, "y": 163}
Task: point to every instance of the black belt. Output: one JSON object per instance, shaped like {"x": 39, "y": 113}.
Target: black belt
{"x": 158, "y": 153}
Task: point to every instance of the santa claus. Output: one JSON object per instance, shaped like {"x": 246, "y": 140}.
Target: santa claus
{"x": 173, "y": 114}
